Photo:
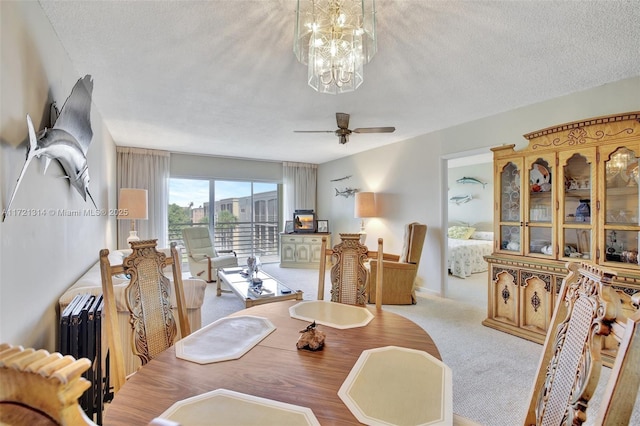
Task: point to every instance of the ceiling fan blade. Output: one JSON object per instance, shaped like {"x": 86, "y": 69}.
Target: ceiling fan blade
{"x": 374, "y": 130}
{"x": 343, "y": 120}
{"x": 314, "y": 131}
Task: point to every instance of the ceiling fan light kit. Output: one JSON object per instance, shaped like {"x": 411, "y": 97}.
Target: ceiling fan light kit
{"x": 335, "y": 39}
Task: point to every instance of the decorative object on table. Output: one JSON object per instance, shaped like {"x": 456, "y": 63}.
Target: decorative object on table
{"x": 67, "y": 141}
{"x": 461, "y": 199}
{"x": 288, "y": 227}
{"x": 132, "y": 205}
{"x": 304, "y": 220}
{"x": 253, "y": 266}
{"x": 322, "y": 226}
{"x": 465, "y": 180}
{"x": 366, "y": 205}
{"x": 311, "y": 338}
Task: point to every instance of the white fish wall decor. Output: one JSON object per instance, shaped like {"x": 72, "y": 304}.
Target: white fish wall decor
{"x": 347, "y": 192}
{"x": 461, "y": 199}
{"x": 471, "y": 180}
{"x": 67, "y": 141}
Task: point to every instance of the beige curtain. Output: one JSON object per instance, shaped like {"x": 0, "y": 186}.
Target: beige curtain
{"x": 145, "y": 169}
{"x": 299, "y": 187}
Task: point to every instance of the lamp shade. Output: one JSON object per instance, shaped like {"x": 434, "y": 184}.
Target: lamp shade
{"x": 132, "y": 204}
{"x": 365, "y": 205}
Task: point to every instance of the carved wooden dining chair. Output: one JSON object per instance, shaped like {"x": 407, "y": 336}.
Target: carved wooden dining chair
{"x": 153, "y": 326}
{"x": 348, "y": 273}
{"x": 41, "y": 388}
{"x": 588, "y": 310}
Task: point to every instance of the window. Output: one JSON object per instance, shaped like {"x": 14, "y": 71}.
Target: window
{"x": 244, "y": 218}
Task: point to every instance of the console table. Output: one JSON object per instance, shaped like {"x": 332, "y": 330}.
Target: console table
{"x": 302, "y": 250}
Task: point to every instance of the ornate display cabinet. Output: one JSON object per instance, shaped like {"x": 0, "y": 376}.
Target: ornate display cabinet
{"x": 571, "y": 194}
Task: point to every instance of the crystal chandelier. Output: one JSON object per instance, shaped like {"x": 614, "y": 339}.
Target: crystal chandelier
{"x": 335, "y": 38}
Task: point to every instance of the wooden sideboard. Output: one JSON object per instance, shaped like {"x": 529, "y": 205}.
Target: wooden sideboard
{"x": 302, "y": 250}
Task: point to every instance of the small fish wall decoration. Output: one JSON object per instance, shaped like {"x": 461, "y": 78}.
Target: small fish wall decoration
{"x": 472, "y": 180}
{"x": 347, "y": 192}
{"x": 461, "y": 199}
{"x": 67, "y": 141}
{"x": 339, "y": 179}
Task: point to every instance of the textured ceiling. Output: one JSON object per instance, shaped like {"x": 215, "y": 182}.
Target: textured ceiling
{"x": 220, "y": 77}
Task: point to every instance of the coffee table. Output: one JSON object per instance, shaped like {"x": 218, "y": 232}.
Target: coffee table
{"x": 272, "y": 289}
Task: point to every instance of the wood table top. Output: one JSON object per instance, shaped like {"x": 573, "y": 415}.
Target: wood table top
{"x": 273, "y": 369}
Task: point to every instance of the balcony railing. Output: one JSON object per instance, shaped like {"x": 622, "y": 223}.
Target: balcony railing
{"x": 245, "y": 238}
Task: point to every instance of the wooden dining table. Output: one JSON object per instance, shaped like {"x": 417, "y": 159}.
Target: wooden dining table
{"x": 273, "y": 369}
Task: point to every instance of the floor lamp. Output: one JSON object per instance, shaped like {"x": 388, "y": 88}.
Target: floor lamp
{"x": 132, "y": 205}
{"x": 365, "y": 206}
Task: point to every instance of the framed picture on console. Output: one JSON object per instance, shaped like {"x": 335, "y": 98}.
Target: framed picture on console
{"x": 323, "y": 226}
{"x": 288, "y": 227}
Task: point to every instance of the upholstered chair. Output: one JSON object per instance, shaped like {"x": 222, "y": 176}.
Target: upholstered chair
{"x": 204, "y": 259}
{"x": 400, "y": 271}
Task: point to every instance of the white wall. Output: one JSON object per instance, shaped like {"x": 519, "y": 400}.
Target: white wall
{"x": 411, "y": 177}
{"x": 40, "y": 257}
{"x": 406, "y": 177}
{"x": 211, "y": 167}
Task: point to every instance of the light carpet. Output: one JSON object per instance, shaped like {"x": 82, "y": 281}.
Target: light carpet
{"x": 492, "y": 371}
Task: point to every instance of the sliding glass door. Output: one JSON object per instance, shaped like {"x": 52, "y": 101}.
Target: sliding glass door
{"x": 244, "y": 217}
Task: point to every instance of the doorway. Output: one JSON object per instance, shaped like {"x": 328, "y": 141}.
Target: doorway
{"x": 467, "y": 204}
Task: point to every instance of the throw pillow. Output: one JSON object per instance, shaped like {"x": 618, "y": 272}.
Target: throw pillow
{"x": 460, "y": 232}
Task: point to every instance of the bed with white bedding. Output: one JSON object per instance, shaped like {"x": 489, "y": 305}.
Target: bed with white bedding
{"x": 466, "y": 252}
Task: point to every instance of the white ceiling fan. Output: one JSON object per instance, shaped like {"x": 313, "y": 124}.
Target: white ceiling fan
{"x": 343, "y": 130}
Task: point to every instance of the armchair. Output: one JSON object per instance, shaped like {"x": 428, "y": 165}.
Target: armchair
{"x": 400, "y": 270}
{"x": 204, "y": 259}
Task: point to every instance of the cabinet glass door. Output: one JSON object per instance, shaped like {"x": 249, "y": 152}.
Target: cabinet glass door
{"x": 575, "y": 183}
{"x": 540, "y": 206}
{"x": 621, "y": 210}
{"x": 510, "y": 213}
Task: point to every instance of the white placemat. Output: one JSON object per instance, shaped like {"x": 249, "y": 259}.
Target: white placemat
{"x": 225, "y": 339}
{"x": 223, "y": 407}
{"x": 331, "y": 314}
{"x": 399, "y": 386}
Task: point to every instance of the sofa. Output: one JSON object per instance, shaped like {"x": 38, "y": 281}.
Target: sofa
{"x": 91, "y": 282}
